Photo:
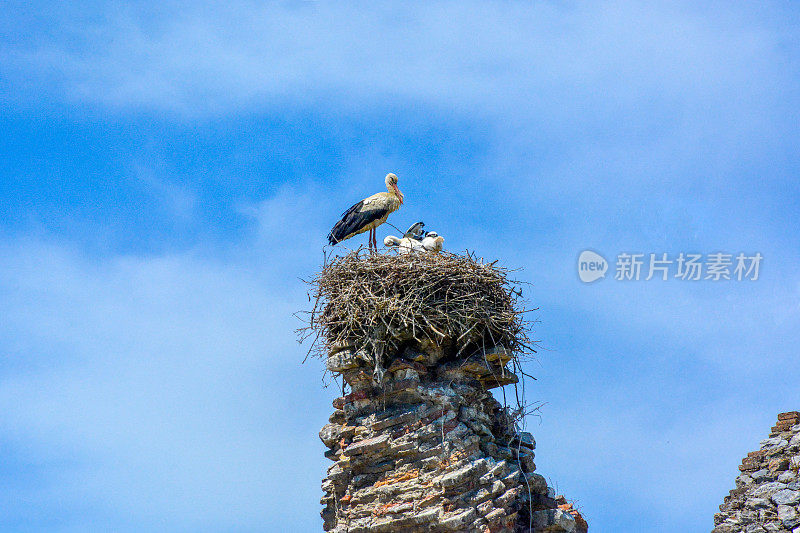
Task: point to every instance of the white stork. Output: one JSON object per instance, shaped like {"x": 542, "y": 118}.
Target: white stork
{"x": 368, "y": 214}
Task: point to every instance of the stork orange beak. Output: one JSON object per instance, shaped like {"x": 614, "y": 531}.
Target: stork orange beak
{"x": 399, "y": 194}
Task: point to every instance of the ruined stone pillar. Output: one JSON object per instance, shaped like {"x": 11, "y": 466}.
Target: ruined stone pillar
{"x": 426, "y": 447}
{"x": 767, "y": 493}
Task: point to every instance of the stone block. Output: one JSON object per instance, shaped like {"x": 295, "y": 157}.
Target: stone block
{"x": 553, "y": 520}
{"x": 459, "y": 521}
{"x": 786, "y": 497}
{"x": 499, "y": 354}
{"x": 469, "y": 472}
{"x": 343, "y": 360}
{"x": 367, "y": 445}
{"x": 788, "y": 516}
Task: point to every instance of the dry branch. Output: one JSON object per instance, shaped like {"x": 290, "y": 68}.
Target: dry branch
{"x": 380, "y": 303}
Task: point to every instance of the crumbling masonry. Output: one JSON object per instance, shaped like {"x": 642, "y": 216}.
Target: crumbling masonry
{"x": 428, "y": 448}
{"x": 767, "y": 493}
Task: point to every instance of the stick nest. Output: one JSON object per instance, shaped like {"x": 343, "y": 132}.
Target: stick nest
{"x": 381, "y": 303}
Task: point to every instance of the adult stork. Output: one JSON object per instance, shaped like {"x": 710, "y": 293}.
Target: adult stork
{"x": 368, "y": 214}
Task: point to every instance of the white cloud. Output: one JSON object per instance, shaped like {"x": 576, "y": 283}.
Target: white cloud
{"x": 587, "y": 58}
{"x": 164, "y": 393}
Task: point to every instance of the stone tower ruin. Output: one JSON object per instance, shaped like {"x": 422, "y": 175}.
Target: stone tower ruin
{"x": 767, "y": 493}
{"x": 418, "y": 442}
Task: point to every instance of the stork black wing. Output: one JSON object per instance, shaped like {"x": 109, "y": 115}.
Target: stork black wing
{"x": 415, "y": 230}
{"x": 353, "y": 220}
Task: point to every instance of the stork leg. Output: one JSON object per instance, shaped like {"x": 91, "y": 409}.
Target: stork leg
{"x": 373, "y": 246}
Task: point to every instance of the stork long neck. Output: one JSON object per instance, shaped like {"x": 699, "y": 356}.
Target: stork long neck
{"x": 394, "y": 190}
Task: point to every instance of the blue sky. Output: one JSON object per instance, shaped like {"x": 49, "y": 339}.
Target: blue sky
{"x": 168, "y": 173}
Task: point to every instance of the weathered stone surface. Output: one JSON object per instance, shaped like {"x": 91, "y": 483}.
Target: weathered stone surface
{"x": 460, "y": 521}
{"x": 778, "y": 464}
{"x": 553, "y": 520}
{"x": 498, "y": 353}
{"x": 580, "y": 524}
{"x": 469, "y": 472}
{"x": 342, "y": 360}
{"x": 786, "y": 497}
{"x": 788, "y": 516}
{"x": 767, "y": 493}
{"x": 787, "y": 477}
{"x": 329, "y": 434}
{"x": 536, "y": 482}
{"x": 423, "y": 446}
{"x": 367, "y": 445}
{"x": 768, "y": 489}
{"x": 758, "y": 503}
{"x": 525, "y": 440}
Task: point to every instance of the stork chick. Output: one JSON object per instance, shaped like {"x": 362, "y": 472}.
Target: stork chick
{"x": 404, "y": 245}
{"x": 431, "y": 242}
{"x": 368, "y": 214}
